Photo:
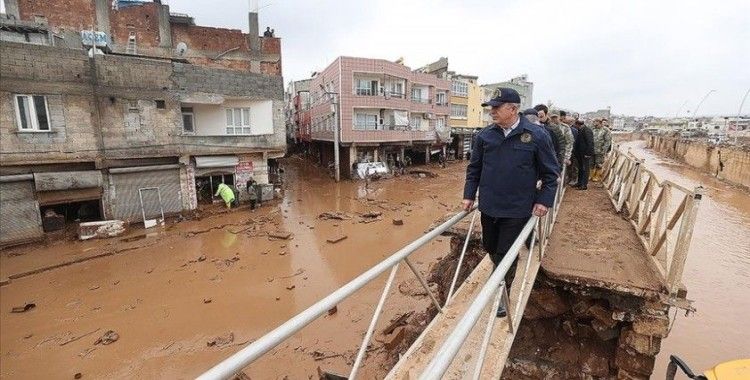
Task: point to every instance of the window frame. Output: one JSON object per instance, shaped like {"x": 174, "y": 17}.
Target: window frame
{"x": 34, "y": 122}
{"x": 460, "y": 88}
{"x": 190, "y": 113}
{"x": 444, "y": 97}
{"x": 459, "y": 115}
{"x": 245, "y": 129}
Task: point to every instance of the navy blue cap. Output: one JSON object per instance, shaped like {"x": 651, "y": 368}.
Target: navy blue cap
{"x": 503, "y": 95}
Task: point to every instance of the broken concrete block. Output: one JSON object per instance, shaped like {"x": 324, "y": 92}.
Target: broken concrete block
{"x": 395, "y": 339}
{"x": 625, "y": 375}
{"x": 280, "y": 235}
{"x": 398, "y": 222}
{"x": 634, "y": 362}
{"x": 601, "y": 314}
{"x": 651, "y": 325}
{"x": 643, "y": 344}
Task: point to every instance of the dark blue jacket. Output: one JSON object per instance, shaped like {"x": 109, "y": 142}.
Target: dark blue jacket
{"x": 505, "y": 170}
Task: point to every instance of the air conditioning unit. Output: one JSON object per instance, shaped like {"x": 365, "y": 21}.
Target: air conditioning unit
{"x": 429, "y": 115}
{"x": 382, "y": 89}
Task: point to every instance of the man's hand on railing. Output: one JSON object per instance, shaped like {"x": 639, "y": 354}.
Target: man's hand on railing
{"x": 467, "y": 204}
{"x": 539, "y": 210}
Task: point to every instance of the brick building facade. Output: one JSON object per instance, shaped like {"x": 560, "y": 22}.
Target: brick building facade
{"x": 120, "y": 134}
{"x": 384, "y": 111}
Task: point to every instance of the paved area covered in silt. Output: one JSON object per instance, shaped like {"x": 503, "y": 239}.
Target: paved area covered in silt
{"x": 593, "y": 245}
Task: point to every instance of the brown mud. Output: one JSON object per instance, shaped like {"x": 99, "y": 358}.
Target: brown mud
{"x": 183, "y": 297}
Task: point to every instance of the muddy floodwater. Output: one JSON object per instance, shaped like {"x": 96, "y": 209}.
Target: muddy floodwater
{"x": 717, "y": 272}
{"x": 183, "y": 297}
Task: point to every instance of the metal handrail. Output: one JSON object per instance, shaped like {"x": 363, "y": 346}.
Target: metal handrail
{"x": 444, "y": 357}
{"x": 241, "y": 359}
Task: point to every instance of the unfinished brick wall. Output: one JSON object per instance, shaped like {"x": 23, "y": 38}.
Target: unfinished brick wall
{"x": 270, "y": 45}
{"x": 208, "y": 39}
{"x": 70, "y": 14}
{"x": 271, "y": 68}
{"x": 142, "y": 19}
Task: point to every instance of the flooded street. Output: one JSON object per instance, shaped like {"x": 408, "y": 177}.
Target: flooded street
{"x": 184, "y": 297}
{"x": 717, "y": 273}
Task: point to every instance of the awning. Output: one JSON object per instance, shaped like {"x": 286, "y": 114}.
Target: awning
{"x": 67, "y": 180}
{"x": 216, "y": 161}
{"x": 46, "y": 198}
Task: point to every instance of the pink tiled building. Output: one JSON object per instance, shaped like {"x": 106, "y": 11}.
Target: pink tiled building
{"x": 384, "y": 110}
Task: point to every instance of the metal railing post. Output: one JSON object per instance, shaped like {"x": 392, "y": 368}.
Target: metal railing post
{"x": 460, "y": 259}
{"x": 373, "y": 322}
{"x": 424, "y": 284}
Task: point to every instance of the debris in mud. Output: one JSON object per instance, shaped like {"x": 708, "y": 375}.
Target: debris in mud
{"x": 75, "y": 338}
{"x": 241, "y": 376}
{"x": 78, "y": 375}
{"x": 221, "y": 341}
{"x": 278, "y": 298}
{"x": 102, "y": 229}
{"x": 201, "y": 258}
{"x": 109, "y": 337}
{"x": 371, "y": 214}
{"x": 317, "y": 355}
{"x": 397, "y": 322}
{"x": 398, "y": 222}
{"x": 336, "y": 239}
{"x": 333, "y": 310}
{"x": 280, "y": 235}
{"x": 282, "y": 253}
{"x": 22, "y": 309}
{"x": 207, "y": 300}
{"x": 396, "y": 339}
{"x": 323, "y": 375}
{"x": 335, "y": 215}
{"x": 291, "y": 287}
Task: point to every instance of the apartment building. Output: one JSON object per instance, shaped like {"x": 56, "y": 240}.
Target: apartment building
{"x": 465, "y": 106}
{"x": 383, "y": 110}
{"x": 119, "y": 110}
{"x": 521, "y": 84}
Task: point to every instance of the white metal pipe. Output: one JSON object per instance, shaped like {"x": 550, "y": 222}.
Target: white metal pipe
{"x": 460, "y": 260}
{"x": 442, "y": 360}
{"x": 487, "y": 335}
{"x": 373, "y": 322}
{"x": 253, "y": 351}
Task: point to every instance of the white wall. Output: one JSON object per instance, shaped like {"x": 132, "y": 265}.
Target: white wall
{"x": 211, "y": 120}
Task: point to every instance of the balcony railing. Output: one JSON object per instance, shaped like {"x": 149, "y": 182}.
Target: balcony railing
{"x": 421, "y": 100}
{"x": 384, "y": 127}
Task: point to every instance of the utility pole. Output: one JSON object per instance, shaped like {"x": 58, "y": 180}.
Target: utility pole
{"x": 336, "y": 132}
{"x": 739, "y": 113}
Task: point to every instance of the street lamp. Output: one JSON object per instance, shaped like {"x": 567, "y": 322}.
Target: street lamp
{"x": 739, "y": 113}
{"x": 336, "y": 137}
{"x": 695, "y": 113}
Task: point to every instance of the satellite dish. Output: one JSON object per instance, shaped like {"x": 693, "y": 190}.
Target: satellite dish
{"x": 181, "y": 49}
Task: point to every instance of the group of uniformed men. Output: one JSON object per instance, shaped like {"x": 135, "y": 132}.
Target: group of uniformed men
{"x": 516, "y": 163}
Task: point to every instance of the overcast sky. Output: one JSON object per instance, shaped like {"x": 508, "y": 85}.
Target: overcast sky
{"x": 649, "y": 57}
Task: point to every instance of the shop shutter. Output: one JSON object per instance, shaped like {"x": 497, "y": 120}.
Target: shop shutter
{"x": 19, "y": 213}
{"x": 126, "y": 200}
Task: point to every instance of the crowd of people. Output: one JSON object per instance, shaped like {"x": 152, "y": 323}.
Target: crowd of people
{"x": 516, "y": 163}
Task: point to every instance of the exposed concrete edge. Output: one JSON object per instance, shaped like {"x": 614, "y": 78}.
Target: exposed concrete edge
{"x": 618, "y": 288}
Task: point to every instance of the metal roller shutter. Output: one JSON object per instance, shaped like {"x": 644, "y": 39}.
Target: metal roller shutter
{"x": 19, "y": 213}
{"x": 126, "y": 200}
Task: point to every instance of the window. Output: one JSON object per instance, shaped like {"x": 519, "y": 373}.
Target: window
{"x": 460, "y": 88}
{"x": 32, "y": 113}
{"x": 440, "y": 123}
{"x": 238, "y": 121}
{"x": 416, "y": 94}
{"x": 160, "y": 104}
{"x": 440, "y": 99}
{"x": 188, "y": 119}
{"x": 397, "y": 89}
{"x": 458, "y": 110}
{"x": 415, "y": 122}
{"x": 366, "y": 122}
{"x": 366, "y": 87}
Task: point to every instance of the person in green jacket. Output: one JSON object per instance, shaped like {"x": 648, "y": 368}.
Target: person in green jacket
{"x": 226, "y": 193}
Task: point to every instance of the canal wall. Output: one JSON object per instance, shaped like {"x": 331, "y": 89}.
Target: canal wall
{"x": 726, "y": 162}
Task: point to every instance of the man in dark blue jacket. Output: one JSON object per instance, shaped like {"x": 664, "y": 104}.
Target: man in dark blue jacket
{"x": 507, "y": 159}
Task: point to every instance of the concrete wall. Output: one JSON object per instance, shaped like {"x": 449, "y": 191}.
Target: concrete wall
{"x": 726, "y": 162}
{"x": 127, "y": 89}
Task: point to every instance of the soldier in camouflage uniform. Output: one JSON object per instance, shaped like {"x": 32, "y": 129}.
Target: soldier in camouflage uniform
{"x": 602, "y": 145}
{"x": 564, "y": 138}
